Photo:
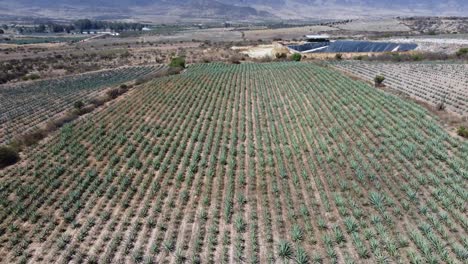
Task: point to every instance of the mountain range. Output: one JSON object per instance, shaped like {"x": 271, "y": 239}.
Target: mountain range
{"x": 232, "y": 9}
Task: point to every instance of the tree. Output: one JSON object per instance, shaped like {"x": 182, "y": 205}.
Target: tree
{"x": 8, "y": 156}
{"x": 40, "y": 29}
{"x": 296, "y": 57}
{"x": 339, "y": 56}
{"x": 78, "y": 105}
{"x": 69, "y": 28}
{"x": 1, "y": 31}
{"x": 177, "y": 62}
{"x": 56, "y": 28}
{"x": 281, "y": 55}
{"x": 441, "y": 105}
{"x": 462, "y": 52}
{"x": 378, "y": 80}
{"x": 417, "y": 57}
{"x": 462, "y": 131}
{"x": 83, "y": 25}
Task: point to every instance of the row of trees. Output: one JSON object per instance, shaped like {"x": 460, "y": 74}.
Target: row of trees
{"x": 87, "y": 24}
{"x": 81, "y": 25}
{"x": 52, "y": 27}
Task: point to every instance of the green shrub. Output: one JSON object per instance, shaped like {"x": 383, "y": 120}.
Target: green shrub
{"x": 417, "y": 57}
{"x": 177, "y": 62}
{"x": 378, "y": 80}
{"x": 463, "y": 131}
{"x": 8, "y": 156}
{"x": 281, "y": 55}
{"x": 296, "y": 57}
{"x": 113, "y": 93}
{"x": 462, "y": 52}
{"x": 396, "y": 57}
{"x": 34, "y": 76}
{"x": 78, "y": 105}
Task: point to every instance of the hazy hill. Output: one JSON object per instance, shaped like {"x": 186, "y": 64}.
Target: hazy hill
{"x": 235, "y": 9}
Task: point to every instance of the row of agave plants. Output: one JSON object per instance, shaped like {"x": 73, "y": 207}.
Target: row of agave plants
{"x": 261, "y": 163}
{"x": 440, "y": 84}
{"x": 26, "y": 106}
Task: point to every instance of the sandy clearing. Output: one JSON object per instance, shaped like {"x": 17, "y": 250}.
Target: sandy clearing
{"x": 294, "y": 32}
{"x": 443, "y": 41}
{"x": 389, "y": 25}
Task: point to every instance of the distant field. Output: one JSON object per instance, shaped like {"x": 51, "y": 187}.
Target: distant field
{"x": 39, "y": 40}
{"x": 256, "y": 163}
{"x": 378, "y": 25}
{"x": 430, "y": 82}
{"x": 25, "y": 106}
{"x": 286, "y": 33}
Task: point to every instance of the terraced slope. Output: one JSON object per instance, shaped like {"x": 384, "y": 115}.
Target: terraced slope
{"x": 430, "y": 82}
{"x": 251, "y": 162}
{"x": 28, "y": 105}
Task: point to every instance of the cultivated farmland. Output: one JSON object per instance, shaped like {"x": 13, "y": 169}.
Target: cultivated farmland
{"x": 28, "y": 105}
{"x": 38, "y": 40}
{"x": 434, "y": 83}
{"x": 253, "y": 162}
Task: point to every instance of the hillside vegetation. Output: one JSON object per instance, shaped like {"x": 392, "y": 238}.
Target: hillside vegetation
{"x": 251, "y": 162}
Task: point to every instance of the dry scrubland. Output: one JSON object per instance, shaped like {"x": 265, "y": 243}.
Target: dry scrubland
{"x": 253, "y": 162}
{"x": 286, "y": 33}
{"x": 434, "y": 83}
{"x": 22, "y": 62}
{"x": 378, "y": 25}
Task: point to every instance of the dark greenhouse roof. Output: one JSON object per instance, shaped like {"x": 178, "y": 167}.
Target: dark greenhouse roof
{"x": 352, "y": 46}
{"x": 309, "y": 46}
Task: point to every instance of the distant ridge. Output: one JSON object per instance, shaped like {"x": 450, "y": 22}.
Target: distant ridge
{"x": 233, "y": 9}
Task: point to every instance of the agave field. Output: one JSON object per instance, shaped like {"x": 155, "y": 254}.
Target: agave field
{"x": 27, "y": 105}
{"x": 434, "y": 83}
{"x": 257, "y": 163}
